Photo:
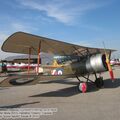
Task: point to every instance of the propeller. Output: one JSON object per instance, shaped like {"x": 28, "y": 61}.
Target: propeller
{"x": 109, "y": 67}
{"x": 108, "y": 64}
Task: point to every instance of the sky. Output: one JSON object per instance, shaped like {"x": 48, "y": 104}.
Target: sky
{"x": 81, "y": 22}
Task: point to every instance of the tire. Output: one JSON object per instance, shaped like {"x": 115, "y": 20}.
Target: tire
{"x": 82, "y": 87}
{"x": 99, "y": 82}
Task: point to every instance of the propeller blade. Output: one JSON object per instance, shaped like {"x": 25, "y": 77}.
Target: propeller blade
{"x": 108, "y": 64}
{"x": 109, "y": 68}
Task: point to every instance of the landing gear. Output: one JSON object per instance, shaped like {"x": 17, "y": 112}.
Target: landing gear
{"x": 99, "y": 82}
{"x": 82, "y": 86}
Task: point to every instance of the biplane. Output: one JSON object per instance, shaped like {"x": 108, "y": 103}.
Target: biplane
{"x": 70, "y": 61}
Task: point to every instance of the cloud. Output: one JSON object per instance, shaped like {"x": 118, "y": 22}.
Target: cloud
{"x": 3, "y": 36}
{"x": 14, "y": 27}
{"x": 51, "y": 10}
{"x": 64, "y": 11}
{"x": 19, "y": 27}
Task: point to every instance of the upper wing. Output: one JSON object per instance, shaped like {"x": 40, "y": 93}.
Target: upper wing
{"x": 20, "y": 42}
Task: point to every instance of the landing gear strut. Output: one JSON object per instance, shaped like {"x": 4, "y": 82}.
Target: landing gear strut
{"x": 99, "y": 81}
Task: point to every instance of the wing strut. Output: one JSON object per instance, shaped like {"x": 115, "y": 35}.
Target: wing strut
{"x": 38, "y": 63}
{"x": 29, "y": 57}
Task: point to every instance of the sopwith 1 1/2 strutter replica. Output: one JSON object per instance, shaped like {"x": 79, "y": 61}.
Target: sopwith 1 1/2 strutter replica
{"x": 70, "y": 60}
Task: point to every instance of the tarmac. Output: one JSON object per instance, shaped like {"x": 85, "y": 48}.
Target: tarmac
{"x": 63, "y": 95}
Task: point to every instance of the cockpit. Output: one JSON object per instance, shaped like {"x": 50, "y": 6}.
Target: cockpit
{"x": 66, "y": 59}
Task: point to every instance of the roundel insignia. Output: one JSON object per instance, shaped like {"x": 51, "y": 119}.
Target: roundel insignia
{"x": 53, "y": 72}
{"x": 60, "y": 72}
{"x": 57, "y": 71}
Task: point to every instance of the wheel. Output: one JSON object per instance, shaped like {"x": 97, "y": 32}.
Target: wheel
{"x": 99, "y": 82}
{"x": 82, "y": 87}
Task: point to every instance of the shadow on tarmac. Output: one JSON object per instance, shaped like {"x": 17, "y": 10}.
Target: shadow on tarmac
{"x": 70, "y": 91}
{"x": 3, "y": 88}
{"x": 66, "y": 92}
{"x": 18, "y": 105}
{"x": 65, "y": 81}
{"x": 109, "y": 84}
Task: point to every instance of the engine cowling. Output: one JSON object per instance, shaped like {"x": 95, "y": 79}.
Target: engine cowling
{"x": 96, "y": 63}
